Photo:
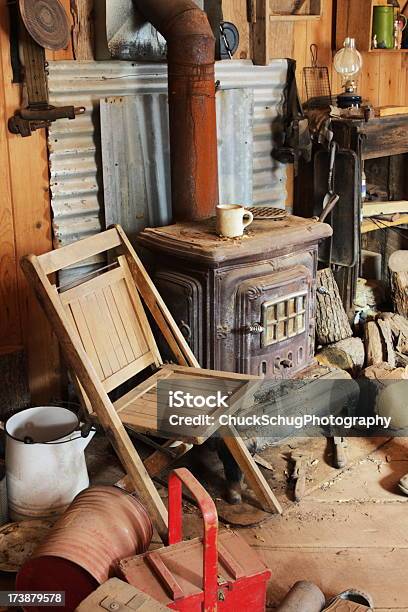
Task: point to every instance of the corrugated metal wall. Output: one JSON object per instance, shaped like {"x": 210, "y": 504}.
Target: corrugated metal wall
{"x": 136, "y": 156}
{"x": 75, "y": 149}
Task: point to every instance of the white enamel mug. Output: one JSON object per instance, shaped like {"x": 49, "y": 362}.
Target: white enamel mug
{"x": 232, "y": 219}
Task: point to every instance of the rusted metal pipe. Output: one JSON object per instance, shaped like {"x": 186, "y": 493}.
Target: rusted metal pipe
{"x": 191, "y": 83}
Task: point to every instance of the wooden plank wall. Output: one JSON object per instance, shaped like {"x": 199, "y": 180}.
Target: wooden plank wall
{"x": 25, "y": 227}
{"x": 384, "y": 78}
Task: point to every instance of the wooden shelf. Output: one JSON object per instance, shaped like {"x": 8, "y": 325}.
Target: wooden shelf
{"x": 294, "y": 17}
{"x": 385, "y": 208}
{"x": 388, "y": 51}
{"x": 370, "y": 225}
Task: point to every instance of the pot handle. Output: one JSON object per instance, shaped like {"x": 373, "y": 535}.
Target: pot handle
{"x": 177, "y": 478}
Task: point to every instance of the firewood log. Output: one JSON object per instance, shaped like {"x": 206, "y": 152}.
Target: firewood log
{"x": 399, "y": 329}
{"x": 398, "y": 266}
{"x": 388, "y": 347}
{"x": 378, "y": 343}
{"x": 346, "y": 355}
{"x": 384, "y": 374}
{"x": 332, "y": 324}
{"x": 373, "y": 344}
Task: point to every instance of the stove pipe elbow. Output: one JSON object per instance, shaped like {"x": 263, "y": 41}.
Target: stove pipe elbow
{"x": 192, "y": 110}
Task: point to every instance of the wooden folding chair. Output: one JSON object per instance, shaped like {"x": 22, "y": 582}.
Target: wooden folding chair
{"x": 106, "y": 338}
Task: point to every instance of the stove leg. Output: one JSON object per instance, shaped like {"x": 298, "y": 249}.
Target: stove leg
{"x": 233, "y": 474}
{"x": 253, "y": 475}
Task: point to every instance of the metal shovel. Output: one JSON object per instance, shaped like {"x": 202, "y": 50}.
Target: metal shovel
{"x": 331, "y": 198}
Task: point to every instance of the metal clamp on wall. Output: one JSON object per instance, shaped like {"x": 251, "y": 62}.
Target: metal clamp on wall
{"x": 27, "y": 120}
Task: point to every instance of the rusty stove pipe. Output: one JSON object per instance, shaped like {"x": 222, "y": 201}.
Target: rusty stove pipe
{"x": 191, "y": 82}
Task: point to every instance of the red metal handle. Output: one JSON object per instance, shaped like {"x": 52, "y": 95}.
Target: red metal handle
{"x": 210, "y": 520}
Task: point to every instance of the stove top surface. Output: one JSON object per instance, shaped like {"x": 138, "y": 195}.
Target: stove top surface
{"x": 200, "y": 240}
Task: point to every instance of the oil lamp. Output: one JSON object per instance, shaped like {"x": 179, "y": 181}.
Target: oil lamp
{"x": 348, "y": 64}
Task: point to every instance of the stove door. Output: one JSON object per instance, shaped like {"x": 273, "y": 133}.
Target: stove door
{"x": 183, "y": 295}
{"x": 274, "y": 322}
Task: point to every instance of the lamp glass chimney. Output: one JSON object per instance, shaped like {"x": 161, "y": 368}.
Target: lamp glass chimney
{"x": 348, "y": 64}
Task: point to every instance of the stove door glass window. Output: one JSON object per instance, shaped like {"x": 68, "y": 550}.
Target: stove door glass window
{"x": 284, "y": 318}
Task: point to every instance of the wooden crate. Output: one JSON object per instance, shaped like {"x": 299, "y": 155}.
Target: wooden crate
{"x": 118, "y": 595}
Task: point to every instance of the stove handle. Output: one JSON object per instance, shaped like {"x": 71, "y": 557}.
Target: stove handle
{"x": 185, "y": 330}
{"x": 286, "y": 363}
{"x": 254, "y": 328}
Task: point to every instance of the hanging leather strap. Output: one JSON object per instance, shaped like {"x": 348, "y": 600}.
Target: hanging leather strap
{"x": 35, "y": 75}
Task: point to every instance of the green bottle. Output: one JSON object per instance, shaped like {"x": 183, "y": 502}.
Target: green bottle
{"x": 383, "y": 26}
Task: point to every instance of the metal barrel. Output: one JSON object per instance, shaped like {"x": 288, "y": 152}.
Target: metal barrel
{"x": 303, "y": 597}
{"x": 102, "y": 526}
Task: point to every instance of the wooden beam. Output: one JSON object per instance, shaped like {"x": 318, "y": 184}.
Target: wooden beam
{"x": 285, "y": 18}
{"x": 28, "y": 221}
{"x": 10, "y": 326}
{"x": 260, "y": 29}
{"x": 83, "y": 29}
{"x": 390, "y": 111}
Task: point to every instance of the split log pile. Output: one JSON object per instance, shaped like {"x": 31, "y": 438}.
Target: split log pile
{"x": 379, "y": 349}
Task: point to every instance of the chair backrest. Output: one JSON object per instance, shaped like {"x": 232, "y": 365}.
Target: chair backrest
{"x": 108, "y": 315}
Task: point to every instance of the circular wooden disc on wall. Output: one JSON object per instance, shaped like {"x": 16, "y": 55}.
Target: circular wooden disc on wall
{"x": 47, "y": 22}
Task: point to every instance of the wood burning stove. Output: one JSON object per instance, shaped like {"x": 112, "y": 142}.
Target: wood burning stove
{"x": 247, "y": 304}
{"x": 244, "y": 305}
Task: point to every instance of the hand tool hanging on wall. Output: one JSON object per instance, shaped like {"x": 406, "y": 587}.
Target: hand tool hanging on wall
{"x": 331, "y": 198}
{"x": 42, "y": 25}
{"x": 346, "y": 183}
{"x": 317, "y": 82}
{"x": 296, "y": 140}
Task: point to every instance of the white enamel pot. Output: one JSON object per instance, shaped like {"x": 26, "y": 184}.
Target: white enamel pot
{"x": 45, "y": 461}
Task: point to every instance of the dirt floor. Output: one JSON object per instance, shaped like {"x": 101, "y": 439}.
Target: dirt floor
{"x": 350, "y": 530}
